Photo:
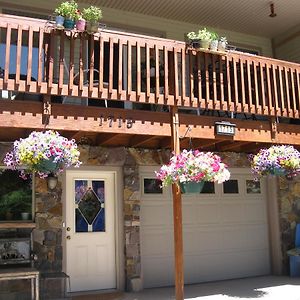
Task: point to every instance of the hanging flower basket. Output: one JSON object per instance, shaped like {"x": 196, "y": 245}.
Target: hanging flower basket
{"x": 276, "y": 161}
{"x": 44, "y": 153}
{"x": 193, "y": 167}
{"x": 191, "y": 187}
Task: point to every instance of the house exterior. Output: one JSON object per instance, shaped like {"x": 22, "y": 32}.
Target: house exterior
{"x": 112, "y": 93}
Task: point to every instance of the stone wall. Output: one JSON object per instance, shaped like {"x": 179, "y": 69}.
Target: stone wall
{"x": 289, "y": 207}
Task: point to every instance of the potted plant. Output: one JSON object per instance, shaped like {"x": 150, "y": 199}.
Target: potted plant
{"x": 193, "y": 39}
{"x": 16, "y": 205}
{"x": 205, "y": 38}
{"x": 191, "y": 169}
{"x": 80, "y": 22}
{"x": 92, "y": 15}
{"x": 68, "y": 10}
{"x": 222, "y": 44}
{"x": 276, "y": 160}
{"x": 44, "y": 153}
{"x": 214, "y": 41}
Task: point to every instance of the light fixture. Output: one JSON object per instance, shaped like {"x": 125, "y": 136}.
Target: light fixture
{"x": 225, "y": 128}
{"x": 272, "y": 9}
{"x": 51, "y": 182}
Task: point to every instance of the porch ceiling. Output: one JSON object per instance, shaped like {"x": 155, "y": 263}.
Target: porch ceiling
{"x": 250, "y": 17}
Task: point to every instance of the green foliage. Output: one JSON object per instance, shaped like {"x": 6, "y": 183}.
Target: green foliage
{"x": 92, "y": 14}
{"x": 204, "y": 34}
{"x": 68, "y": 10}
{"x": 192, "y": 36}
{"x": 214, "y": 36}
{"x": 15, "y": 194}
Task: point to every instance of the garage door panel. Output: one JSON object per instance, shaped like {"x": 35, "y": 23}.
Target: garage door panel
{"x": 255, "y": 212}
{"x": 156, "y": 237}
{"x": 225, "y": 235}
{"x": 163, "y": 267}
{"x": 193, "y": 241}
{"x": 232, "y": 212}
{"x": 156, "y": 214}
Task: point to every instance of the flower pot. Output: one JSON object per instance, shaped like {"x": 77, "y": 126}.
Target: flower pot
{"x": 204, "y": 44}
{"x": 92, "y": 26}
{"x": 80, "y": 25}
{"x": 25, "y": 216}
{"x": 195, "y": 43}
{"x": 191, "y": 187}
{"x": 221, "y": 46}
{"x": 59, "y": 20}
{"x": 214, "y": 45}
{"x": 48, "y": 166}
{"x": 278, "y": 172}
{"x": 69, "y": 24}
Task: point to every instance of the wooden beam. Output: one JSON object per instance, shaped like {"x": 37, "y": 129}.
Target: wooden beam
{"x": 20, "y": 114}
{"x": 177, "y": 212}
{"x": 138, "y": 140}
{"x": 232, "y": 146}
{"x": 165, "y": 142}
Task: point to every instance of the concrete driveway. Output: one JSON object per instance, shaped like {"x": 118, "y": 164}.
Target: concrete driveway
{"x": 262, "y": 288}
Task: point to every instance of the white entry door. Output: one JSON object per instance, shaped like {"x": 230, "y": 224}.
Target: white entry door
{"x": 90, "y": 230}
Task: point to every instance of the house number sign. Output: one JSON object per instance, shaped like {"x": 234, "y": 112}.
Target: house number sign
{"x": 111, "y": 120}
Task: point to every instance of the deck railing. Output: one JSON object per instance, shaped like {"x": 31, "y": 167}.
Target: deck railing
{"x": 37, "y": 58}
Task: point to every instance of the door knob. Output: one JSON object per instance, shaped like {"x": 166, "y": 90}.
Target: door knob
{"x": 68, "y": 237}
{"x": 68, "y": 228}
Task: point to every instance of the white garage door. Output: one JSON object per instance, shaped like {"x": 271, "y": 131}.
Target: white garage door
{"x": 224, "y": 228}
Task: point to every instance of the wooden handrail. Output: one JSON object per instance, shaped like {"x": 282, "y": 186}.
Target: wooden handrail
{"x": 144, "y": 69}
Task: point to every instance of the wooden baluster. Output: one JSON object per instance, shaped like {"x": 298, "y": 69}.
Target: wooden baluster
{"x": 101, "y": 71}
{"x": 61, "y": 60}
{"x": 71, "y": 64}
{"x": 41, "y": 57}
{"x": 216, "y": 103}
{"x": 111, "y": 66}
{"x": 199, "y": 79}
{"x": 157, "y": 72}
{"x": 147, "y": 70}
{"x": 221, "y": 62}
{"x": 129, "y": 67}
{"x": 262, "y": 82}
{"x": 183, "y": 76}
{"x": 287, "y": 86}
{"x": 270, "y": 95}
{"x": 249, "y": 81}
{"x": 207, "y": 96}
{"x": 228, "y": 84}
{"x": 191, "y": 69}
{"x": 120, "y": 69}
{"x": 236, "y": 91}
{"x": 81, "y": 67}
{"x": 256, "y": 87}
{"x": 51, "y": 59}
{"x": 138, "y": 70}
{"x": 282, "y": 97}
{"x": 92, "y": 64}
{"x": 275, "y": 90}
{"x": 166, "y": 70}
{"x": 175, "y": 54}
{"x": 19, "y": 54}
{"x": 293, "y": 94}
{"x": 29, "y": 58}
{"x": 7, "y": 53}
{"x": 243, "y": 86}
{"x": 298, "y": 94}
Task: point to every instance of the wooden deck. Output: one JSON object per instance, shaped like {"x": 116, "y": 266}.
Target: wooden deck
{"x": 140, "y": 69}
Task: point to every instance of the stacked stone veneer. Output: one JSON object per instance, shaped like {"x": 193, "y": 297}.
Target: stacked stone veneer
{"x": 48, "y": 233}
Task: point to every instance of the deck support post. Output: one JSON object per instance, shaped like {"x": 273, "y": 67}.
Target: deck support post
{"x": 177, "y": 212}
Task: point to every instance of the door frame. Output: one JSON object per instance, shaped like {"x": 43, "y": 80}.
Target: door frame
{"x": 118, "y": 207}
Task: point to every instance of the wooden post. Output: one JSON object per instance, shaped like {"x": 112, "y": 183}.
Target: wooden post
{"x": 177, "y": 212}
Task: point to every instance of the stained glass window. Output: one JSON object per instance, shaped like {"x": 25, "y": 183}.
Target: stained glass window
{"x": 89, "y": 205}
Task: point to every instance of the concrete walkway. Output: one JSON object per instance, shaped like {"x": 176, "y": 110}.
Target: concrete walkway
{"x": 262, "y": 288}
